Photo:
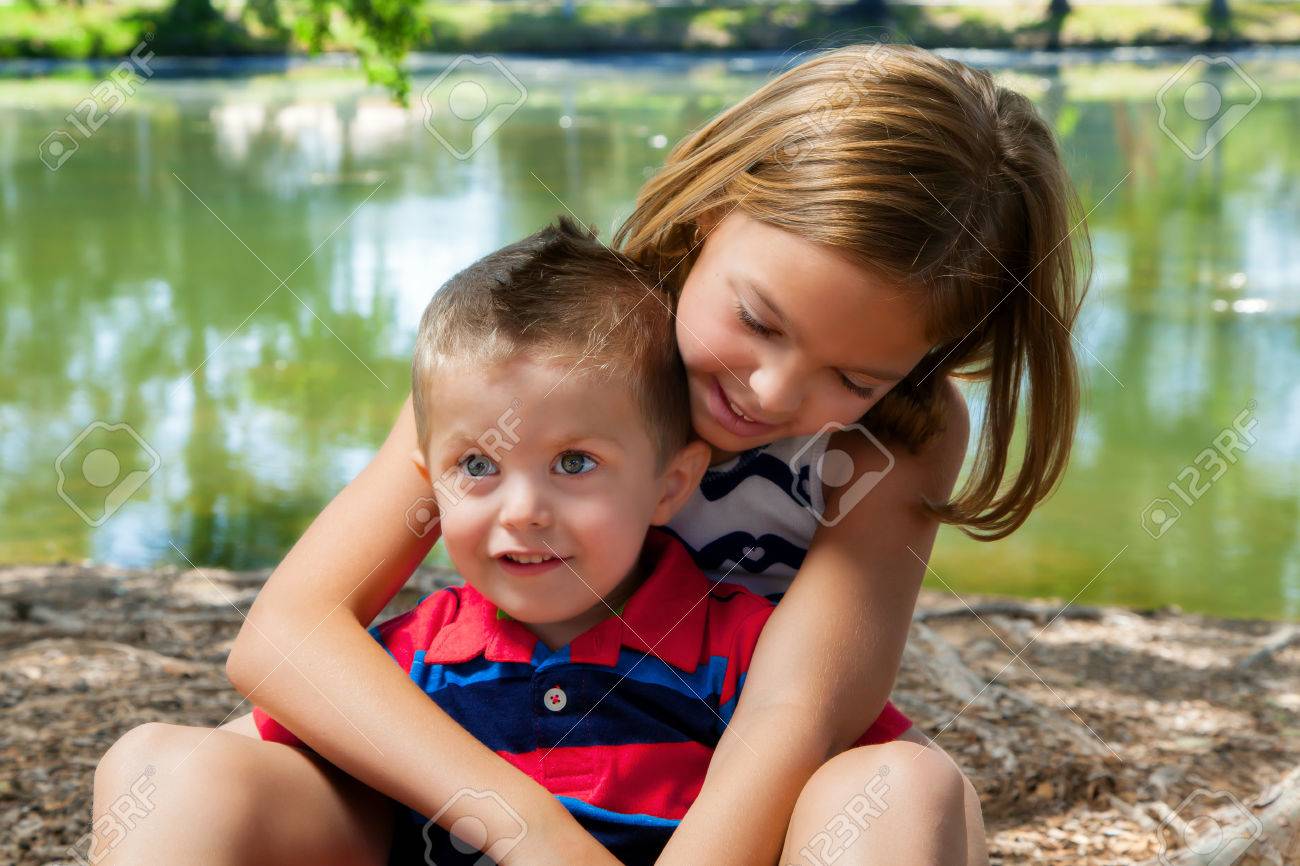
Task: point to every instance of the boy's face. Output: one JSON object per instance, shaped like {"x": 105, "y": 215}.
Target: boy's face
{"x": 546, "y": 482}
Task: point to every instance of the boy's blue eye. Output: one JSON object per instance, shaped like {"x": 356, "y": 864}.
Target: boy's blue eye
{"x": 574, "y": 463}
{"x": 477, "y": 466}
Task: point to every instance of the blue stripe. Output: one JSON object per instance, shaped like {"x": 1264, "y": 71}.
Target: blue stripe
{"x": 585, "y": 812}
{"x": 704, "y": 682}
{"x": 435, "y": 677}
{"x": 509, "y": 715}
{"x": 728, "y": 709}
{"x": 634, "y": 840}
{"x": 542, "y": 654}
{"x": 374, "y": 633}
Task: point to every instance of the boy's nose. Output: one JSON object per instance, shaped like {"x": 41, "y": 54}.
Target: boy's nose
{"x": 524, "y": 505}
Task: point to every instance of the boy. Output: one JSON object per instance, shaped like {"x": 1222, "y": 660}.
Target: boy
{"x": 586, "y": 647}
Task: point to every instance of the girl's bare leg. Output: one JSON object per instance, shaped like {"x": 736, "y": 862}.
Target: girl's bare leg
{"x": 170, "y": 794}
{"x": 903, "y": 803}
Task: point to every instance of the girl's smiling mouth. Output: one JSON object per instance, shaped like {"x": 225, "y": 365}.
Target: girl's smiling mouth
{"x": 730, "y": 417}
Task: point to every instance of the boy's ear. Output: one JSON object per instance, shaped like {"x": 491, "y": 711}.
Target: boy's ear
{"x": 680, "y": 478}
{"x": 417, "y": 457}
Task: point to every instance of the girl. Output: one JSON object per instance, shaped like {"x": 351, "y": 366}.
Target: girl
{"x": 842, "y": 243}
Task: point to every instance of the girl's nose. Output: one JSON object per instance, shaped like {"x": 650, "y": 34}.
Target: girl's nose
{"x": 524, "y": 505}
{"x": 778, "y": 388}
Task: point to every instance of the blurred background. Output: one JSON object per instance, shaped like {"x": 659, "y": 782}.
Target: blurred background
{"x": 215, "y": 246}
{"x": 220, "y": 221}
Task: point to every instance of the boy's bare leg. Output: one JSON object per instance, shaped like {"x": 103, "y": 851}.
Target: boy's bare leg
{"x": 170, "y": 794}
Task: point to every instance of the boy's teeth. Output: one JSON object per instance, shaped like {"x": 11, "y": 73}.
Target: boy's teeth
{"x": 531, "y": 558}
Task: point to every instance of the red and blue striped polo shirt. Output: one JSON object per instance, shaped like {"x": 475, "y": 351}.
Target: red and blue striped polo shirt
{"x": 620, "y": 724}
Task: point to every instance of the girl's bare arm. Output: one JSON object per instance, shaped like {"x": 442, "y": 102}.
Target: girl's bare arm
{"x": 826, "y": 660}
{"x": 304, "y": 656}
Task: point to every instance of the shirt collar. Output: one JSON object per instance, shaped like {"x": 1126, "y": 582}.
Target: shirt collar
{"x": 664, "y": 617}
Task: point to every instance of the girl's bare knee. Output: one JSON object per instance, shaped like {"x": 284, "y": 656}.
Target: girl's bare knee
{"x": 900, "y": 763}
{"x": 152, "y": 785}
{"x": 904, "y": 801}
{"x": 161, "y": 752}
{"x": 136, "y": 754}
{"x": 214, "y": 797}
{"x": 976, "y": 841}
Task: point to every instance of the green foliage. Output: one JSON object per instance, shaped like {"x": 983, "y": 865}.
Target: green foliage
{"x": 380, "y": 31}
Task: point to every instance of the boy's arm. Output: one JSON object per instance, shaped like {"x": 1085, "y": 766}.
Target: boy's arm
{"x": 304, "y": 655}
{"x": 826, "y": 660}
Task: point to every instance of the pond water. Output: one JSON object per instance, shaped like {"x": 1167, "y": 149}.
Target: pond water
{"x": 208, "y": 304}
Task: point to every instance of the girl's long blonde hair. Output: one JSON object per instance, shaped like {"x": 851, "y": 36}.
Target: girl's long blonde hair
{"x": 930, "y": 175}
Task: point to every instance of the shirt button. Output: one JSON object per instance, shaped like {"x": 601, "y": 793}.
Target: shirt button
{"x": 555, "y": 699}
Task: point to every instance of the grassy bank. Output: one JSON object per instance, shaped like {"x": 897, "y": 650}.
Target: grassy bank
{"x": 262, "y": 27}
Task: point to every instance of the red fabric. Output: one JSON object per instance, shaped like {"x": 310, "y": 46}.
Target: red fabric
{"x": 664, "y": 614}
{"x": 274, "y": 732}
{"x": 660, "y": 779}
{"x": 888, "y": 726}
{"x": 891, "y": 724}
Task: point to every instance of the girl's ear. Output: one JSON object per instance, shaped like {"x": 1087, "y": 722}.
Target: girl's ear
{"x": 707, "y": 222}
{"x": 417, "y": 457}
{"x": 680, "y": 478}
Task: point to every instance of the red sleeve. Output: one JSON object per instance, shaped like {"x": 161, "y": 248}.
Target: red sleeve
{"x": 403, "y": 636}
{"x": 413, "y": 631}
{"x": 734, "y": 630}
{"x": 743, "y": 642}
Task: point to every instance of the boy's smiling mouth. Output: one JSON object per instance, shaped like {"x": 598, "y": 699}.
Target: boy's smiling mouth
{"x": 530, "y": 557}
{"x": 529, "y": 562}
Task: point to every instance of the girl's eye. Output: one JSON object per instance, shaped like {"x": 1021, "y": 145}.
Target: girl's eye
{"x": 747, "y": 319}
{"x": 574, "y": 463}
{"x": 477, "y": 466}
{"x": 863, "y": 391}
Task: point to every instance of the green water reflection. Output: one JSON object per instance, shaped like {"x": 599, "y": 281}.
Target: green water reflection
{"x": 142, "y": 284}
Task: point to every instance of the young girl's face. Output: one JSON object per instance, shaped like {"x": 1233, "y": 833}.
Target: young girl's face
{"x": 781, "y": 336}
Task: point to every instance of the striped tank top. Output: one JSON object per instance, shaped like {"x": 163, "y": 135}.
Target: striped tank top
{"x": 763, "y": 501}
{"x": 766, "y": 500}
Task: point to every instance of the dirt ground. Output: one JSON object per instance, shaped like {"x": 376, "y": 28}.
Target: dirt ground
{"x": 1106, "y": 736}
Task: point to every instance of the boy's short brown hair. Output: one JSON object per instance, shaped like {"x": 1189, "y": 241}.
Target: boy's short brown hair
{"x": 561, "y": 295}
